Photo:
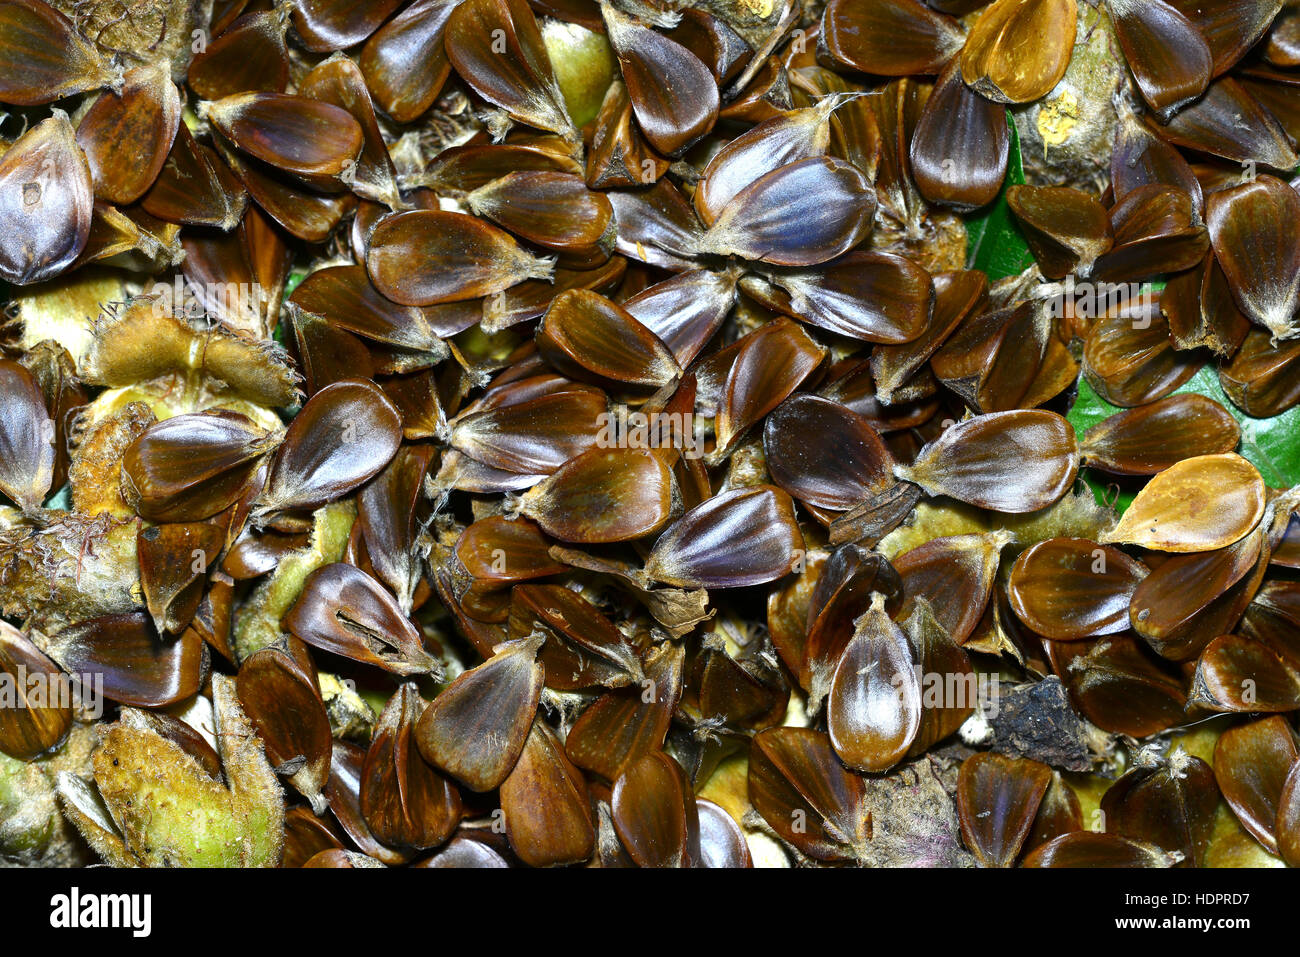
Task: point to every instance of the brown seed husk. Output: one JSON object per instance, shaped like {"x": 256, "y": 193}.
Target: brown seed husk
{"x": 1018, "y": 50}
{"x": 1198, "y": 505}
{"x": 44, "y": 57}
{"x": 1259, "y": 254}
{"x": 46, "y": 202}
{"x": 1159, "y": 435}
{"x": 873, "y": 711}
{"x": 404, "y": 800}
{"x": 997, "y": 801}
{"x": 1068, "y": 588}
{"x": 477, "y": 727}
{"x": 474, "y": 259}
{"x": 546, "y": 804}
{"x": 1017, "y": 461}
{"x": 1251, "y": 764}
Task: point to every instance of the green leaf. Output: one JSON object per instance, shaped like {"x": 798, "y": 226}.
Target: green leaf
{"x": 295, "y": 279}
{"x": 994, "y": 242}
{"x": 61, "y": 500}
{"x": 996, "y": 246}
{"x": 1089, "y": 409}
{"x": 1271, "y": 445}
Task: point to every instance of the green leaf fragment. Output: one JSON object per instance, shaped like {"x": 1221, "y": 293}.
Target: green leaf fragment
{"x": 993, "y": 240}
{"x": 1271, "y": 445}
